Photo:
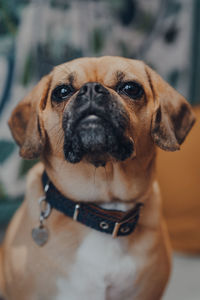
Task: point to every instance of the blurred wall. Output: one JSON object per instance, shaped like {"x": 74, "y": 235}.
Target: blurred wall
{"x": 179, "y": 178}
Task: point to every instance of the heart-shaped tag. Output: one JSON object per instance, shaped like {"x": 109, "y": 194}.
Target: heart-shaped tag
{"x": 40, "y": 235}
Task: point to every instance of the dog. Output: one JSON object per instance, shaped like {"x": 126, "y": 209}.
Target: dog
{"x": 97, "y": 231}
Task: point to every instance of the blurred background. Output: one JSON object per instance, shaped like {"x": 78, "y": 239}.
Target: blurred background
{"x": 39, "y": 34}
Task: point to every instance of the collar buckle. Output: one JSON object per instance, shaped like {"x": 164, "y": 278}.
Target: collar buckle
{"x": 125, "y": 229}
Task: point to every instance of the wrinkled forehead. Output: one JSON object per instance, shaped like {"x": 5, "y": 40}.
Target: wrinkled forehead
{"x": 106, "y": 70}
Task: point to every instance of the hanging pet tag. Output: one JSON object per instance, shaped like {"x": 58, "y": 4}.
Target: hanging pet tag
{"x": 40, "y": 235}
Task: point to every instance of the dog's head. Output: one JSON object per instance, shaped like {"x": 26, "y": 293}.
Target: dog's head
{"x": 100, "y": 109}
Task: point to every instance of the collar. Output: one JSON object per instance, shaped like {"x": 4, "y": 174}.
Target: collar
{"x": 115, "y": 222}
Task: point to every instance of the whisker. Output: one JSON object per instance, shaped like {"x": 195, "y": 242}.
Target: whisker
{"x": 59, "y": 140}
{"x": 62, "y": 68}
{"x": 54, "y": 126}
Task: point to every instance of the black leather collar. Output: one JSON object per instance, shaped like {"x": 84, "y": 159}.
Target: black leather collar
{"x": 115, "y": 222}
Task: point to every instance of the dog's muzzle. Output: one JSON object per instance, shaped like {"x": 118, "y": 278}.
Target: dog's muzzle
{"x": 94, "y": 125}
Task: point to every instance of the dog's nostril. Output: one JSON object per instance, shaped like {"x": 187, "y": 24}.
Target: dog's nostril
{"x": 91, "y": 89}
{"x": 84, "y": 89}
{"x": 98, "y": 88}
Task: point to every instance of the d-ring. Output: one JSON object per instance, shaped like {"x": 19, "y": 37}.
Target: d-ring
{"x": 44, "y": 210}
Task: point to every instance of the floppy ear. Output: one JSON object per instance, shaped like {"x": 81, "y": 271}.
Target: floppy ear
{"x": 172, "y": 118}
{"x": 25, "y": 122}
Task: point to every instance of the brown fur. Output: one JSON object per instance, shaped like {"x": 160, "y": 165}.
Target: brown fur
{"x": 161, "y": 116}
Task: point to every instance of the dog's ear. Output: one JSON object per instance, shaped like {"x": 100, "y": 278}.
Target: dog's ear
{"x": 25, "y": 122}
{"x": 172, "y": 118}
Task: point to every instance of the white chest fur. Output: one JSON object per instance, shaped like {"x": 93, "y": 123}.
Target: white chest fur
{"x": 103, "y": 269}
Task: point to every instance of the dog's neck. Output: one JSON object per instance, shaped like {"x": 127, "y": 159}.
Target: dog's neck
{"x": 117, "y": 186}
{"x": 117, "y": 182}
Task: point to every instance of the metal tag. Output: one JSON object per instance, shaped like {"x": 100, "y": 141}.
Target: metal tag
{"x": 40, "y": 235}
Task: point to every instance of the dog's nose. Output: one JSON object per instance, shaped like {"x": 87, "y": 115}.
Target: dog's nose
{"x": 92, "y": 89}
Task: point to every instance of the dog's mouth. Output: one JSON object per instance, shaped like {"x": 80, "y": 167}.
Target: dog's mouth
{"x": 92, "y": 133}
{"x": 96, "y": 135}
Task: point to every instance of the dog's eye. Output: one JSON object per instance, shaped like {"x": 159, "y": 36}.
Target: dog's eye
{"x": 131, "y": 89}
{"x": 61, "y": 92}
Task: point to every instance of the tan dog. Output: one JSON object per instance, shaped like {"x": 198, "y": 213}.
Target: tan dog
{"x": 94, "y": 122}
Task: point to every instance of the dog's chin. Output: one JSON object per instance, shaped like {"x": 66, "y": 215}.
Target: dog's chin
{"x": 96, "y": 141}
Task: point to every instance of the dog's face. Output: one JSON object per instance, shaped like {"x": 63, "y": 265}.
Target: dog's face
{"x": 96, "y": 105}
{"x": 100, "y": 109}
